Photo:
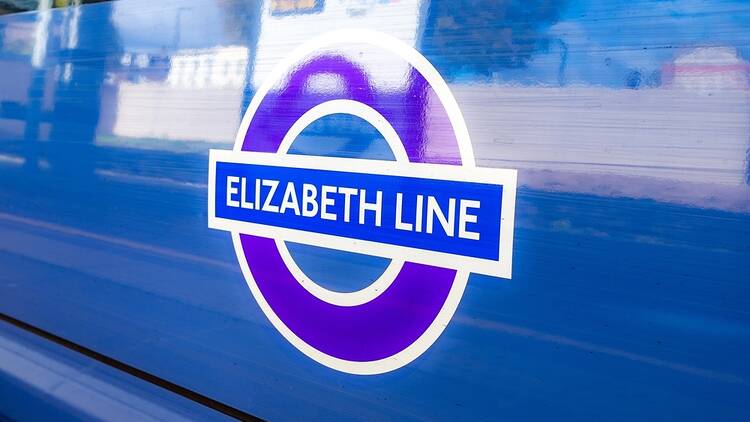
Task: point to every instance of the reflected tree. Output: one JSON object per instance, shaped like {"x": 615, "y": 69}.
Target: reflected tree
{"x": 480, "y": 37}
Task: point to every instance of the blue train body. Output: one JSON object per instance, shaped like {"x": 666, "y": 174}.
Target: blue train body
{"x": 628, "y": 124}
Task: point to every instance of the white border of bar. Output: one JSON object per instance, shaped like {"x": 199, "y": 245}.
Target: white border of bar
{"x": 505, "y": 177}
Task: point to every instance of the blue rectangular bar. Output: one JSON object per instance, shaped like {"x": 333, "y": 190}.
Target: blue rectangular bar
{"x": 455, "y": 217}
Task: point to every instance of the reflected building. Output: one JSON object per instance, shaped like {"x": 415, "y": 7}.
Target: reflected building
{"x": 558, "y": 91}
{"x": 198, "y": 100}
{"x": 543, "y": 88}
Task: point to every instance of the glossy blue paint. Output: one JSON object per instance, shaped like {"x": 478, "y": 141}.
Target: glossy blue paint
{"x": 628, "y": 123}
{"x": 40, "y": 380}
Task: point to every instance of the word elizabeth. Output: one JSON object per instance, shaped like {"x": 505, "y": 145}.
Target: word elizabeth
{"x": 324, "y": 201}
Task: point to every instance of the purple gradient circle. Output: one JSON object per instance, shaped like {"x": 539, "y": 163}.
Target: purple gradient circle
{"x": 399, "y": 316}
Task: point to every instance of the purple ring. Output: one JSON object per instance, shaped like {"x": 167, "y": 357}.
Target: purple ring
{"x": 400, "y": 315}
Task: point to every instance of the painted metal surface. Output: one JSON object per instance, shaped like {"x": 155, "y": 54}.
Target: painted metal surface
{"x": 40, "y": 380}
{"x": 628, "y": 123}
